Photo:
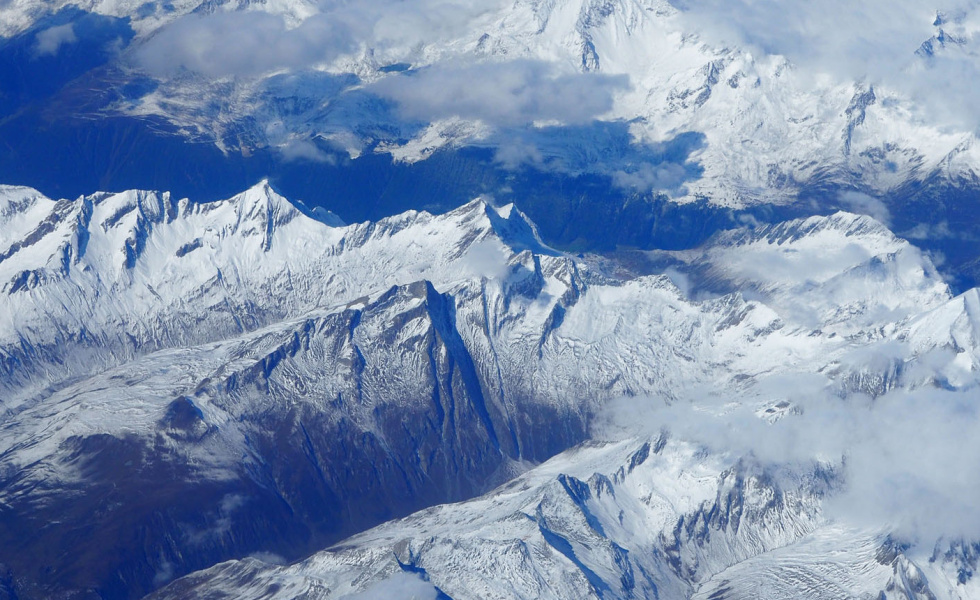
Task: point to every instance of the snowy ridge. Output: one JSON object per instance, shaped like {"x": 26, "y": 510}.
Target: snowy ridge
{"x": 251, "y": 398}
{"x": 770, "y": 128}
{"x": 843, "y": 273}
{"x": 232, "y": 263}
{"x": 634, "y": 519}
{"x": 265, "y": 365}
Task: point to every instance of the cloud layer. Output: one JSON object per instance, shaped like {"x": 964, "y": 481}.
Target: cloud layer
{"x": 879, "y": 42}
{"x": 508, "y": 93}
{"x": 253, "y": 42}
{"x": 838, "y": 35}
{"x": 926, "y": 51}
{"x": 908, "y": 457}
{"x": 236, "y": 44}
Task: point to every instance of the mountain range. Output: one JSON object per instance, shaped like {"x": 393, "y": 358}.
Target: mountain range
{"x": 532, "y": 299}
{"x": 187, "y": 383}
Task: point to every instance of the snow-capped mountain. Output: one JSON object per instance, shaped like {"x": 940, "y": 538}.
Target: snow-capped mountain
{"x": 188, "y": 383}
{"x": 713, "y": 372}
{"x": 768, "y": 130}
{"x": 632, "y": 109}
{"x": 636, "y": 519}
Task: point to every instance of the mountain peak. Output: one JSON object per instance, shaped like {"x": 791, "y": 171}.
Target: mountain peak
{"x": 259, "y": 210}
{"x": 261, "y": 197}
{"x": 513, "y": 227}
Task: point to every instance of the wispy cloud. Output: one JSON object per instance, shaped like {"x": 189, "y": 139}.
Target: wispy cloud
{"x": 243, "y": 44}
{"x": 863, "y": 204}
{"x": 399, "y": 585}
{"x": 854, "y": 38}
{"x": 253, "y": 42}
{"x": 543, "y": 114}
{"x": 908, "y": 457}
{"x": 504, "y": 93}
{"x": 603, "y": 148}
{"x": 879, "y": 41}
{"x": 50, "y": 41}
{"x": 305, "y": 150}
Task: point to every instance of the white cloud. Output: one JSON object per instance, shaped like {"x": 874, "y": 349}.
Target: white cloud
{"x": 50, "y": 41}
{"x": 530, "y": 112}
{"x": 602, "y": 147}
{"x": 243, "y": 44}
{"x": 400, "y": 585}
{"x": 486, "y": 259}
{"x": 876, "y": 41}
{"x": 513, "y": 152}
{"x": 864, "y": 204}
{"x": 504, "y": 94}
{"x": 926, "y": 231}
{"x": 269, "y": 558}
{"x": 681, "y": 280}
{"x": 305, "y": 150}
{"x": 664, "y": 176}
{"x": 855, "y": 38}
{"x": 404, "y": 24}
{"x": 254, "y": 42}
{"x": 908, "y": 458}
{"x": 165, "y": 573}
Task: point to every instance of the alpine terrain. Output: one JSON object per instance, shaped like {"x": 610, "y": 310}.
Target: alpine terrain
{"x": 503, "y": 299}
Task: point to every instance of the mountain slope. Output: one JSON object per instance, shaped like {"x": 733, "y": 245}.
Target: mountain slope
{"x": 280, "y": 383}
{"x": 689, "y": 116}
{"x": 634, "y": 519}
{"x": 630, "y": 109}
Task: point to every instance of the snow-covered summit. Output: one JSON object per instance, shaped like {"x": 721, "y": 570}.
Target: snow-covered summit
{"x": 179, "y": 272}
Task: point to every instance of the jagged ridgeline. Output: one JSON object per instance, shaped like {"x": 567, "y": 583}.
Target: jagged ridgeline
{"x": 731, "y": 531}
{"x": 728, "y": 134}
{"x": 601, "y": 258}
{"x": 186, "y": 383}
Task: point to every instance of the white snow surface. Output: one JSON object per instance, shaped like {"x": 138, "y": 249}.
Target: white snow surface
{"x": 769, "y": 126}
{"x": 628, "y": 519}
{"x": 116, "y": 304}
